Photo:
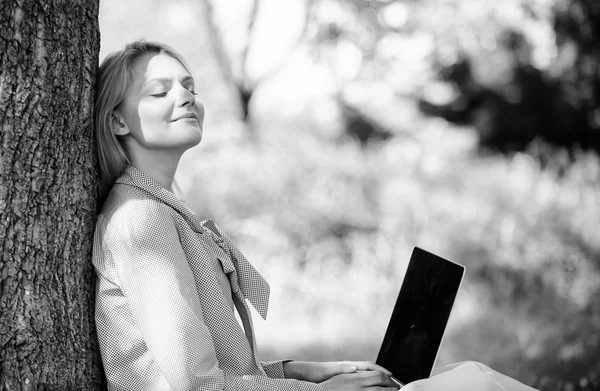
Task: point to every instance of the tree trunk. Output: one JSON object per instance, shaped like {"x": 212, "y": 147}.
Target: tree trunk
{"x": 48, "y": 60}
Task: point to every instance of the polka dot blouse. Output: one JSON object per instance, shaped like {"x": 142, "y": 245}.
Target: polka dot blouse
{"x": 167, "y": 290}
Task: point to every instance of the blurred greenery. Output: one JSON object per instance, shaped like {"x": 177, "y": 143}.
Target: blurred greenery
{"x": 320, "y": 161}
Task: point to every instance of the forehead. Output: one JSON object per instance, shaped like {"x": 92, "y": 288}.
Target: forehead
{"x": 157, "y": 66}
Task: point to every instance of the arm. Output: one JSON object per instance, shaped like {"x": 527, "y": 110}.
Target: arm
{"x": 275, "y": 369}
{"x": 315, "y": 372}
{"x": 318, "y": 372}
{"x": 159, "y": 286}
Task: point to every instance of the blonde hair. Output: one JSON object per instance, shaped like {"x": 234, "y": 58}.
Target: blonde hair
{"x": 115, "y": 75}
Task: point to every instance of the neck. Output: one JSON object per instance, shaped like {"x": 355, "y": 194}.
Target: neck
{"x": 159, "y": 165}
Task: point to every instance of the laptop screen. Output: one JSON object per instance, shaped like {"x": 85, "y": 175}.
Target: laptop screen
{"x": 417, "y": 325}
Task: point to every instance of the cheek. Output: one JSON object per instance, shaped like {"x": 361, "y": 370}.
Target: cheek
{"x": 153, "y": 114}
{"x": 132, "y": 119}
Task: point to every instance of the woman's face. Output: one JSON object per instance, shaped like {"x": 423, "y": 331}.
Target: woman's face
{"x": 160, "y": 110}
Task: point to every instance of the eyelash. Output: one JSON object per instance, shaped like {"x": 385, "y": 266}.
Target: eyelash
{"x": 163, "y": 94}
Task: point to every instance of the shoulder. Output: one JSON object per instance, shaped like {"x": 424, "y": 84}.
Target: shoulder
{"x": 129, "y": 214}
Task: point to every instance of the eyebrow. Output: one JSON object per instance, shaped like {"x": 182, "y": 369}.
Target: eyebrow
{"x": 168, "y": 80}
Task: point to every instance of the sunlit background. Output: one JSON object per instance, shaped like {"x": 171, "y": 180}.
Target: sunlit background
{"x": 341, "y": 134}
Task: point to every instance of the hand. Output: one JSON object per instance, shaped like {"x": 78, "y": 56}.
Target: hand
{"x": 318, "y": 372}
{"x": 358, "y": 381}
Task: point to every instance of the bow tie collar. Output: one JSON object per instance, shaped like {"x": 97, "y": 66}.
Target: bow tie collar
{"x": 243, "y": 275}
{"x": 251, "y": 283}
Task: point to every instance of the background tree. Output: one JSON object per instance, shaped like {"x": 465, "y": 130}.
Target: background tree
{"x": 48, "y": 60}
{"x": 234, "y": 63}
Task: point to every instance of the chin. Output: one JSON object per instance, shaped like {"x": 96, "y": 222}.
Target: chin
{"x": 191, "y": 136}
{"x": 179, "y": 138}
{"x": 195, "y": 140}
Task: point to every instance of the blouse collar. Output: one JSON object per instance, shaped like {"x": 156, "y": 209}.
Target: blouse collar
{"x": 133, "y": 176}
{"x": 250, "y": 282}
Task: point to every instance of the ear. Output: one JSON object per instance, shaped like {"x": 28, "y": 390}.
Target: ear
{"x": 118, "y": 125}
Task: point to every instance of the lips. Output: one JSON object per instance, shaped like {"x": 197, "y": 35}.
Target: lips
{"x": 186, "y": 116}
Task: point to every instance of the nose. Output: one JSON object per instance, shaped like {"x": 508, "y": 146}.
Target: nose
{"x": 186, "y": 98}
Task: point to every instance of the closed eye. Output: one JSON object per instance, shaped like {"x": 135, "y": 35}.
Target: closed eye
{"x": 159, "y": 95}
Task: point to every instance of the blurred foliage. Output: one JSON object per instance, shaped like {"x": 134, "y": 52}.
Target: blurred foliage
{"x": 577, "y": 27}
{"x": 332, "y": 227}
{"x": 516, "y": 71}
{"x": 343, "y": 173}
{"x": 558, "y": 104}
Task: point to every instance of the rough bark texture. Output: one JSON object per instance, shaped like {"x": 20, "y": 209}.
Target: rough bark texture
{"x": 48, "y": 60}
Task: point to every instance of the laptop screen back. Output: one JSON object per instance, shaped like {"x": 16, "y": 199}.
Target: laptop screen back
{"x": 417, "y": 325}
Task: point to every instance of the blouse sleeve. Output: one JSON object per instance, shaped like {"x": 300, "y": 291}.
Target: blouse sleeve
{"x": 274, "y": 369}
{"x": 158, "y": 284}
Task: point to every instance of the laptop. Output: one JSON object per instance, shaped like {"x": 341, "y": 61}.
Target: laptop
{"x": 416, "y": 328}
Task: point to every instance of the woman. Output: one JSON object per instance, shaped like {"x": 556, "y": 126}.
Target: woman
{"x": 168, "y": 285}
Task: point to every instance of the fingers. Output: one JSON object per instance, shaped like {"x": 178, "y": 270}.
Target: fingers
{"x": 362, "y": 380}
{"x": 369, "y": 366}
{"x": 372, "y": 378}
{"x": 320, "y": 371}
{"x": 347, "y": 367}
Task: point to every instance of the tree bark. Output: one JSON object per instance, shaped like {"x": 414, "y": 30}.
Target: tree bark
{"x": 48, "y": 61}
